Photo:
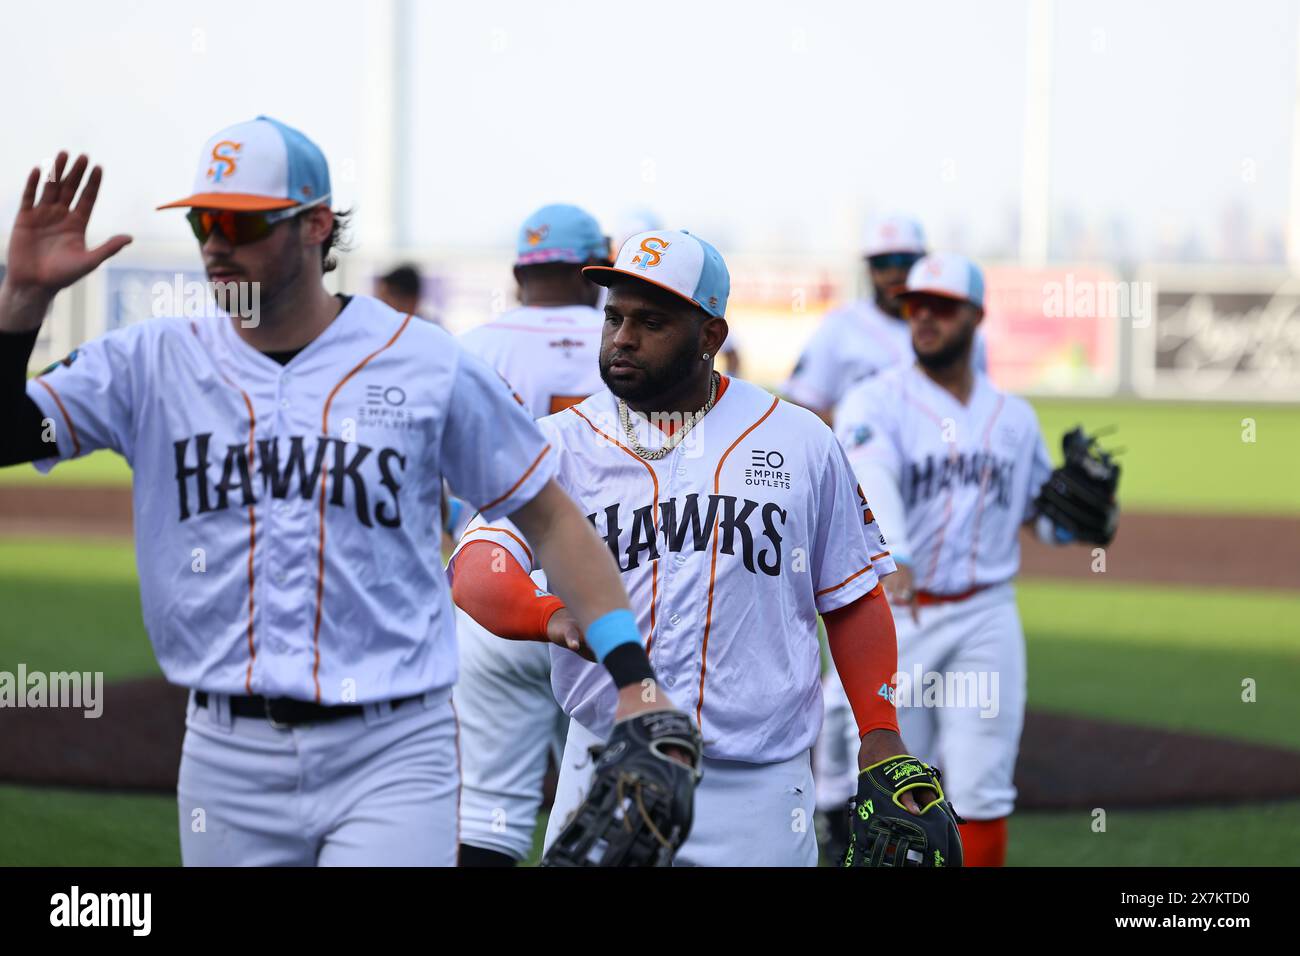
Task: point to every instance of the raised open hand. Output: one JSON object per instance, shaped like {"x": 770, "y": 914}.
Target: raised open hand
{"x": 47, "y": 248}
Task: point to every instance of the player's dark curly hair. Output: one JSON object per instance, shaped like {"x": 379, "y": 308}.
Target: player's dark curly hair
{"x": 340, "y": 240}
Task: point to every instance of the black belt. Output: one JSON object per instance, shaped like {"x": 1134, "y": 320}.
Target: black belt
{"x": 287, "y": 712}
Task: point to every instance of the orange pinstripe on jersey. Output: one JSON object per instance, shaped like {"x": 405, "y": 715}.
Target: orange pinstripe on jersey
{"x": 984, "y": 483}
{"x": 324, "y": 475}
{"x": 713, "y": 567}
{"x": 252, "y": 523}
{"x": 654, "y": 516}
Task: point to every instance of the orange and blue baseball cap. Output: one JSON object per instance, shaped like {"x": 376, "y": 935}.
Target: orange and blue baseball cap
{"x": 947, "y": 275}
{"x": 674, "y": 260}
{"x": 893, "y": 234}
{"x": 259, "y": 166}
{"x": 561, "y": 233}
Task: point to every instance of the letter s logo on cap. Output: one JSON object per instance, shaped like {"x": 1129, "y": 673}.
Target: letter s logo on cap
{"x": 223, "y": 159}
{"x": 654, "y": 252}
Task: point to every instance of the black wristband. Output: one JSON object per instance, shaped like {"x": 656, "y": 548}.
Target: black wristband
{"x": 628, "y": 664}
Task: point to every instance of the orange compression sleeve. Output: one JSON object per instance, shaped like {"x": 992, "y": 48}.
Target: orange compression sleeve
{"x": 865, "y": 650}
{"x": 489, "y": 585}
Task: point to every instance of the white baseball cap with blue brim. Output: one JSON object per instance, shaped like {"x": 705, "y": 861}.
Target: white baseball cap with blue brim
{"x": 560, "y": 233}
{"x": 259, "y": 166}
{"x": 947, "y": 275}
{"x": 894, "y": 233}
{"x": 674, "y": 260}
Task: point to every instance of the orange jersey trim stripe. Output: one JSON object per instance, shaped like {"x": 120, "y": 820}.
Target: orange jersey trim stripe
{"x": 252, "y": 523}
{"x": 713, "y": 566}
{"x": 520, "y": 540}
{"x": 522, "y": 478}
{"x": 324, "y": 475}
{"x": 654, "y": 516}
{"x": 855, "y": 575}
{"x": 76, "y": 442}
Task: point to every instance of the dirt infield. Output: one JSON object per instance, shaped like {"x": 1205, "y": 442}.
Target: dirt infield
{"x": 1248, "y": 551}
{"x": 1065, "y": 762}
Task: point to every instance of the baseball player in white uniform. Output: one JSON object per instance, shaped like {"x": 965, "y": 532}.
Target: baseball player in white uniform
{"x": 869, "y": 335}
{"x": 735, "y": 520}
{"x": 288, "y": 465}
{"x": 954, "y": 465}
{"x": 547, "y": 350}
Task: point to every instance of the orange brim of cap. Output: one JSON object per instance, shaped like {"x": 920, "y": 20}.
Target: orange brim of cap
{"x": 235, "y": 202}
{"x": 902, "y": 292}
{"x": 605, "y": 275}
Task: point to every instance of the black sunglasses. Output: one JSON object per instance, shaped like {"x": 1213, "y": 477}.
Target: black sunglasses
{"x": 893, "y": 260}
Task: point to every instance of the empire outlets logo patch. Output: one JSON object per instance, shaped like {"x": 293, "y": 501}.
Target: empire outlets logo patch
{"x": 765, "y": 470}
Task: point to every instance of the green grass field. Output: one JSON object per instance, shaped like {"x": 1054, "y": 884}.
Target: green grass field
{"x": 1161, "y": 656}
{"x": 1167, "y": 657}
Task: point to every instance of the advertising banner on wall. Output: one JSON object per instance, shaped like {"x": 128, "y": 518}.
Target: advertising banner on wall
{"x": 1056, "y": 330}
{"x": 1230, "y": 336}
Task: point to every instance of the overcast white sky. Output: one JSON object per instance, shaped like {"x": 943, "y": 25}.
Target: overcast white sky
{"x": 760, "y": 125}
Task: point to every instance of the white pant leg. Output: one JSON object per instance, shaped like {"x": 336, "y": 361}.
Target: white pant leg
{"x": 378, "y": 790}
{"x": 836, "y": 757}
{"x": 745, "y": 814}
{"x": 385, "y": 788}
{"x": 509, "y": 723}
{"x": 979, "y": 728}
{"x": 918, "y": 647}
{"x": 237, "y": 793}
{"x": 753, "y": 815}
{"x": 576, "y": 768}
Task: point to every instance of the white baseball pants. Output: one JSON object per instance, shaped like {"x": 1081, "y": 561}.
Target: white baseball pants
{"x": 745, "y": 814}
{"x": 509, "y": 725}
{"x": 373, "y": 790}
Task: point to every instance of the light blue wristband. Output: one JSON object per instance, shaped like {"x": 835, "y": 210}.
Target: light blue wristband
{"x": 610, "y": 630}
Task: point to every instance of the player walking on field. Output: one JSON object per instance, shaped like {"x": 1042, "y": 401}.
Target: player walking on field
{"x": 288, "y": 467}
{"x": 735, "y": 520}
{"x": 869, "y": 335}
{"x": 509, "y": 720}
{"x": 956, "y": 466}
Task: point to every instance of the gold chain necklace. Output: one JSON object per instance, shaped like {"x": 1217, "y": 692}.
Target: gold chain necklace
{"x": 675, "y": 439}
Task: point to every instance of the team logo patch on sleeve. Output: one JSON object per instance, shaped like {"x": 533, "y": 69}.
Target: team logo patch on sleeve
{"x": 66, "y": 360}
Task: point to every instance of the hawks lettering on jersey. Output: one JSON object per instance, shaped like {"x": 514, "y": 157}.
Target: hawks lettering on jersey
{"x": 286, "y": 515}
{"x": 729, "y": 547}
{"x": 967, "y": 474}
{"x": 194, "y": 476}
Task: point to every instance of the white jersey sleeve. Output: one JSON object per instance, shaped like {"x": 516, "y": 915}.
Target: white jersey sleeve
{"x": 502, "y": 532}
{"x": 506, "y": 473}
{"x": 865, "y": 428}
{"x": 1040, "y": 469}
{"x": 813, "y": 381}
{"x": 849, "y": 552}
{"x": 90, "y": 397}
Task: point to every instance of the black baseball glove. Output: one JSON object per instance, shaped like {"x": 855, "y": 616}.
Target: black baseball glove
{"x": 1079, "y": 497}
{"x": 886, "y": 834}
{"x": 642, "y": 800}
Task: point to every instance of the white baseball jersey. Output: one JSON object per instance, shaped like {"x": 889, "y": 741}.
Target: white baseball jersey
{"x": 548, "y": 355}
{"x": 285, "y": 515}
{"x": 853, "y": 343}
{"x": 967, "y": 474}
{"x": 729, "y": 547}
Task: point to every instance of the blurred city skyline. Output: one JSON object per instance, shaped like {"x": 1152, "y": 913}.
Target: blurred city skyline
{"x": 767, "y": 127}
